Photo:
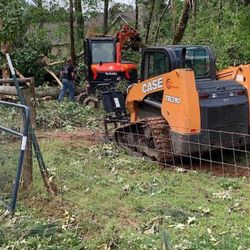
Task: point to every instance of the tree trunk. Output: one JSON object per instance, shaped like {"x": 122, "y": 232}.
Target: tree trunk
{"x": 4, "y": 49}
{"x": 195, "y": 19}
{"x": 179, "y": 33}
{"x": 79, "y": 22}
{"x": 173, "y": 14}
{"x": 136, "y": 14}
{"x": 72, "y": 35}
{"x": 105, "y": 17}
{"x": 150, "y": 19}
{"x": 142, "y": 18}
{"x": 160, "y": 22}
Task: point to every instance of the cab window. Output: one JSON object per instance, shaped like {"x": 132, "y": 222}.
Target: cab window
{"x": 158, "y": 63}
{"x": 103, "y": 51}
{"x": 198, "y": 60}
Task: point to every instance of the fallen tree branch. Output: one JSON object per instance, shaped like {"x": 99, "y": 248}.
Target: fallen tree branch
{"x": 54, "y": 76}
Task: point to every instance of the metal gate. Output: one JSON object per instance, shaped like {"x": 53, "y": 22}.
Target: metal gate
{"x": 14, "y": 124}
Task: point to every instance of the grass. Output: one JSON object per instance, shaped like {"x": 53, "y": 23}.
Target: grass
{"x": 110, "y": 200}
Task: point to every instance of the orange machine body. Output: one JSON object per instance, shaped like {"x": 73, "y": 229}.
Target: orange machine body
{"x": 180, "y": 84}
{"x": 103, "y": 58}
{"x": 112, "y": 69}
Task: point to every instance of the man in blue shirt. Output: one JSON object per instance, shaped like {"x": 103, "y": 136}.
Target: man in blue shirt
{"x": 67, "y": 75}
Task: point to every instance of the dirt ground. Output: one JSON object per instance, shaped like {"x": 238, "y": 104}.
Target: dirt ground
{"x": 220, "y": 169}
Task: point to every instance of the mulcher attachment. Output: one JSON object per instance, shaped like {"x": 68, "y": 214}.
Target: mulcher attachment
{"x": 113, "y": 104}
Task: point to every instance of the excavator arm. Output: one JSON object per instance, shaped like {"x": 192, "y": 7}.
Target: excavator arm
{"x": 180, "y": 101}
{"x": 127, "y": 33}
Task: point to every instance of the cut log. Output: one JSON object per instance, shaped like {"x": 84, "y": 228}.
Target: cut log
{"x": 40, "y": 92}
{"x": 10, "y": 80}
{"x": 8, "y": 90}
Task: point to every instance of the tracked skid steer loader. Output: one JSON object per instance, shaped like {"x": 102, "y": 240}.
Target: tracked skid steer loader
{"x": 182, "y": 106}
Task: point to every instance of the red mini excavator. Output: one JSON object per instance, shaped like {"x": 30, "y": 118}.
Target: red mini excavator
{"x": 103, "y": 58}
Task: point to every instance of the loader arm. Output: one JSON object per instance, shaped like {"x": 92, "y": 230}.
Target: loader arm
{"x": 180, "y": 102}
{"x": 240, "y": 74}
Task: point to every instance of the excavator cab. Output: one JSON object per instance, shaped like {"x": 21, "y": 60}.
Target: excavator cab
{"x": 102, "y": 64}
{"x": 99, "y": 51}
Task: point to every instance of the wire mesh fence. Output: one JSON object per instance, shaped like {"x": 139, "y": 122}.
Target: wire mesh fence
{"x": 219, "y": 152}
{"x": 14, "y": 120}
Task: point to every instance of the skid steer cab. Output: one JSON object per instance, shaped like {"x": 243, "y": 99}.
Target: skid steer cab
{"x": 103, "y": 63}
{"x": 180, "y": 92}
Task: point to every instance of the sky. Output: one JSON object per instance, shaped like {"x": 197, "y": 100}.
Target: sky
{"x": 131, "y": 2}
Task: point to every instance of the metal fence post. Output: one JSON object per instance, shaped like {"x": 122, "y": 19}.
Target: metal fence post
{"x": 27, "y": 173}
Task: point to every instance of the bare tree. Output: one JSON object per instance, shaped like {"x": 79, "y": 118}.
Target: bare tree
{"x": 72, "y": 36}
{"x": 180, "y": 30}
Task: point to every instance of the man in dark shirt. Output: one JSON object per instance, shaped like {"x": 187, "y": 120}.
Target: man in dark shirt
{"x": 67, "y": 75}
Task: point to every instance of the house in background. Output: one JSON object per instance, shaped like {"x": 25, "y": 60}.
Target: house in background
{"x": 94, "y": 26}
{"x": 59, "y": 32}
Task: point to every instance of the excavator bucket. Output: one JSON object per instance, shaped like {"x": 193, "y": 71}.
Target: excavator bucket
{"x": 136, "y": 43}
